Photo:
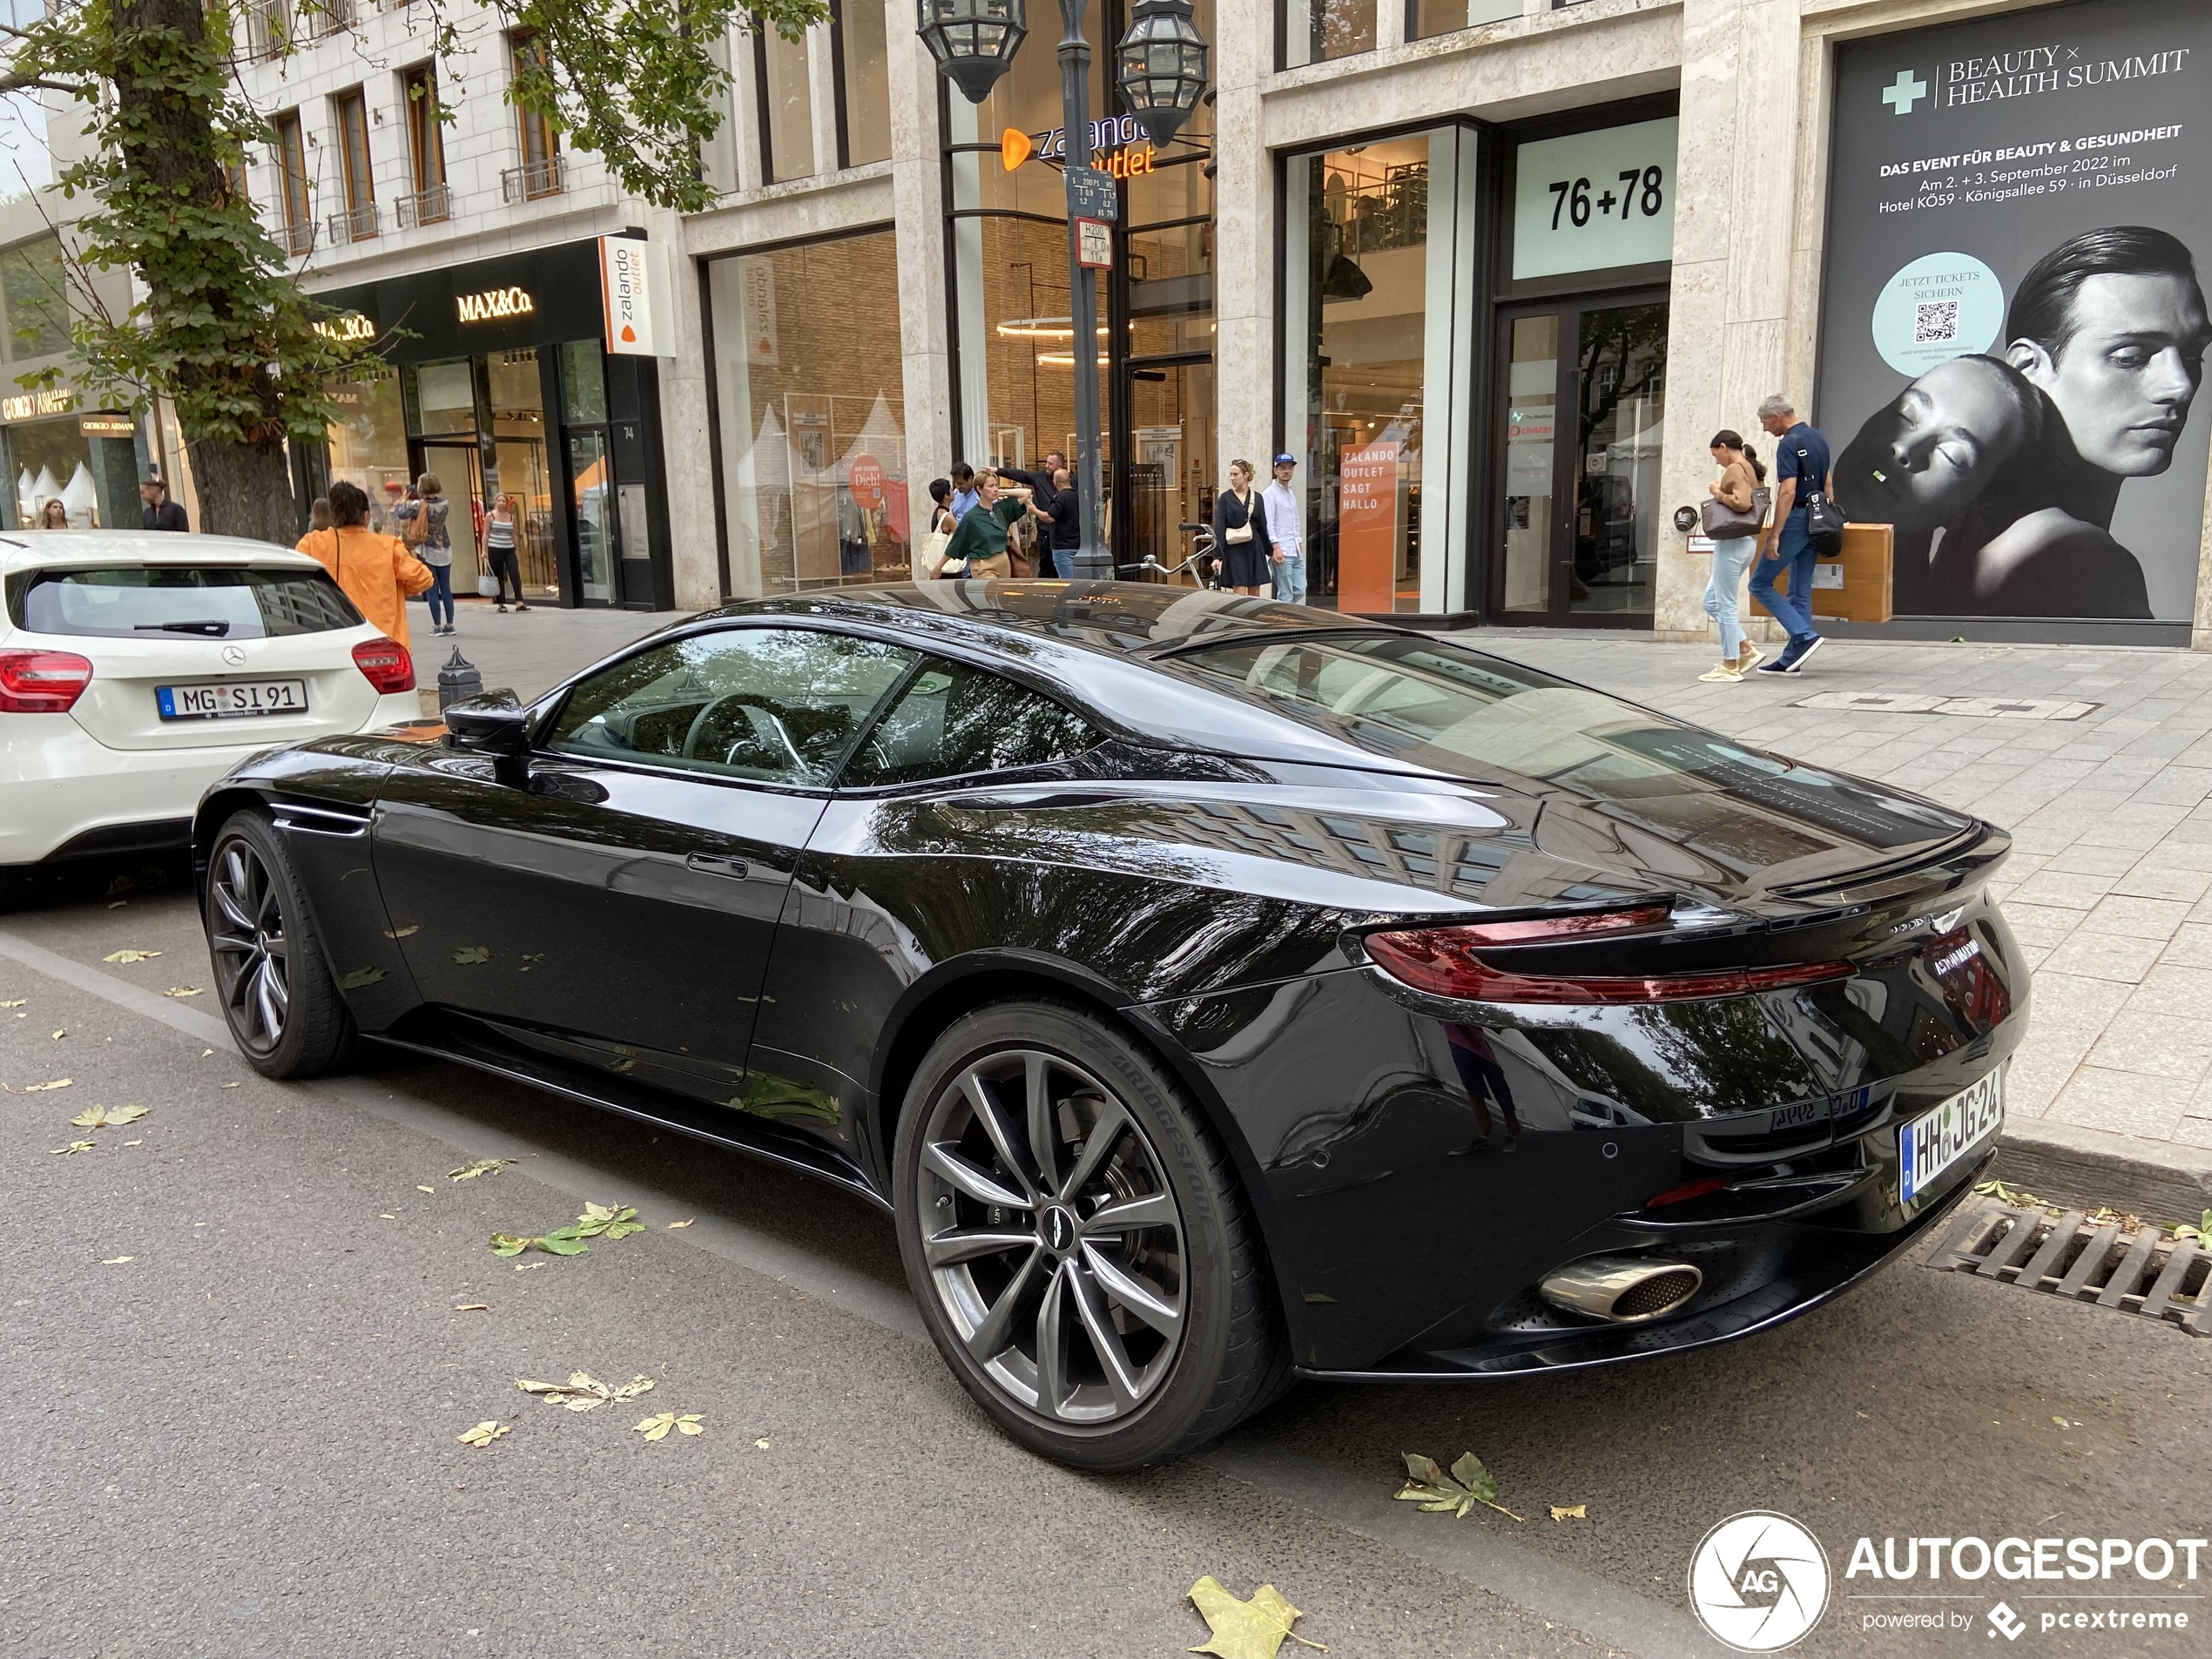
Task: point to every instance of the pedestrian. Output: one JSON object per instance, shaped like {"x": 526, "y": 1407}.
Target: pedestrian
{"x": 160, "y": 513}
{"x": 1802, "y": 469}
{"x": 53, "y": 516}
{"x": 929, "y": 559}
{"x": 965, "y": 495}
{"x": 1067, "y": 537}
{"x": 318, "y": 513}
{"x": 499, "y": 544}
{"x": 979, "y": 544}
{"x": 376, "y": 572}
{"x": 1242, "y": 551}
{"x": 1286, "y": 530}
{"x": 1738, "y": 492}
{"x": 1045, "y": 489}
{"x": 435, "y": 548}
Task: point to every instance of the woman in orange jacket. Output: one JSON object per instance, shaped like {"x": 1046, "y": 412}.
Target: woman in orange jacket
{"x": 377, "y": 572}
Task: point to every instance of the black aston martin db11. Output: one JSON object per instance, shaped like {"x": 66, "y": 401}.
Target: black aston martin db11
{"x": 1214, "y": 991}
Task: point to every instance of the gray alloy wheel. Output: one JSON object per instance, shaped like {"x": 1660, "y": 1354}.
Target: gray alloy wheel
{"x": 245, "y": 938}
{"x": 1055, "y": 1245}
{"x": 279, "y": 994}
{"x": 1078, "y": 1240}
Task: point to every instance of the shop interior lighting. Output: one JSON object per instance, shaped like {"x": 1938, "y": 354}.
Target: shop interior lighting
{"x": 1041, "y": 328}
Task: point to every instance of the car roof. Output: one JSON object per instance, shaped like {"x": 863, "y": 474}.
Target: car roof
{"x": 1123, "y": 618}
{"x": 68, "y": 550}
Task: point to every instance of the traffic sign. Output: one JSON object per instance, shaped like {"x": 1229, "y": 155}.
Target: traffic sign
{"x": 1092, "y": 194}
{"x": 1095, "y": 244}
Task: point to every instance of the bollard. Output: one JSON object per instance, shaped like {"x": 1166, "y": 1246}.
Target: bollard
{"x": 458, "y": 680}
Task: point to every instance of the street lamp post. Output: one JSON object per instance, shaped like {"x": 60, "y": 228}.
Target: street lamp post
{"x": 1161, "y": 69}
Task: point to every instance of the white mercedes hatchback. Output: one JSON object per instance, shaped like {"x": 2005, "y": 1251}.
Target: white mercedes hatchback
{"x": 135, "y": 670}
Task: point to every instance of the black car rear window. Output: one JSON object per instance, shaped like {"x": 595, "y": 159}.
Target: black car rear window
{"x": 209, "y": 603}
{"x": 1458, "y": 712}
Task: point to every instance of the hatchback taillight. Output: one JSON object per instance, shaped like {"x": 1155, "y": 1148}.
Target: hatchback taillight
{"x": 42, "y": 682}
{"x": 1446, "y": 961}
{"x": 386, "y": 665}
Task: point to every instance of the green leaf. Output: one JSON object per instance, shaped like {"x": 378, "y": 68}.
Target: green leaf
{"x": 1468, "y": 1484}
{"x": 563, "y": 1243}
{"x": 1252, "y": 1630}
{"x": 360, "y": 978}
{"x": 469, "y": 954}
{"x": 508, "y": 1245}
{"x": 479, "y": 1166}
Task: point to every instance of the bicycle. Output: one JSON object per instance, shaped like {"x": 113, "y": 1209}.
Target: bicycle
{"x": 1201, "y": 558}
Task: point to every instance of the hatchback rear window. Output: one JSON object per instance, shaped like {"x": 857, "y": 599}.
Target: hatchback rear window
{"x": 215, "y": 603}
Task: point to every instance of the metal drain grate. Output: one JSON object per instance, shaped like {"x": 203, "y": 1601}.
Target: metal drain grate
{"x": 2145, "y": 1271}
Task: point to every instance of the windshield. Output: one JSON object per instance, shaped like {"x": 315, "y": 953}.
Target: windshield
{"x": 142, "y": 602}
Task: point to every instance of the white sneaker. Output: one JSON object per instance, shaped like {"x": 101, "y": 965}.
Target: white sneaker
{"x": 1723, "y": 671}
{"x": 1751, "y": 658}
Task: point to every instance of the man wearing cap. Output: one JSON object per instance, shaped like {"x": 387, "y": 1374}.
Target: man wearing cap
{"x": 1286, "y": 529}
{"x": 161, "y": 513}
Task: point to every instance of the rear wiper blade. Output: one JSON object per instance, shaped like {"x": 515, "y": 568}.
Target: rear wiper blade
{"x": 213, "y": 628}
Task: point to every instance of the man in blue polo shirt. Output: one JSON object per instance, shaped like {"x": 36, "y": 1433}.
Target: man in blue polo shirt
{"x": 1801, "y": 470}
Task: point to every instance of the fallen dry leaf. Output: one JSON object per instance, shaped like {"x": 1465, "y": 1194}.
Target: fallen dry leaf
{"x": 17, "y": 1003}
{"x": 762, "y": 1443}
{"x": 583, "y": 1392}
{"x": 1570, "y": 1512}
{"x": 134, "y": 1142}
{"x": 470, "y": 954}
{"x": 656, "y": 1427}
{"x": 117, "y": 1261}
{"x": 433, "y": 1191}
{"x": 405, "y": 933}
{"x": 484, "y": 1433}
{"x": 524, "y": 1267}
{"x": 182, "y": 990}
{"x": 58, "y": 1036}
{"x": 481, "y": 1166}
{"x": 472, "y": 1307}
{"x": 1252, "y": 1629}
{"x": 58, "y": 1082}
{"x": 127, "y": 956}
{"x": 104, "y": 1116}
{"x": 74, "y": 1147}
{"x": 387, "y": 1216}
{"x": 230, "y": 1085}
{"x": 686, "y": 1222}
{"x": 1468, "y": 1484}
{"x": 361, "y": 979}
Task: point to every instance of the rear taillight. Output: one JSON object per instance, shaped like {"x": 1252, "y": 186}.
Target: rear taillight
{"x": 1446, "y": 961}
{"x": 386, "y": 665}
{"x": 42, "y": 682}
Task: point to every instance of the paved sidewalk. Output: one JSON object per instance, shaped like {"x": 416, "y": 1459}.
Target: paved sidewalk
{"x": 527, "y": 650}
{"x": 2110, "y": 1099}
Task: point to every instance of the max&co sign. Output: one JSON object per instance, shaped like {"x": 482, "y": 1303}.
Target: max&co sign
{"x": 493, "y": 305}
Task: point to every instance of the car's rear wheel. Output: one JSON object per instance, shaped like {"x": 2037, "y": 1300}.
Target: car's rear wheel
{"x": 1080, "y": 1247}
{"x": 279, "y": 996}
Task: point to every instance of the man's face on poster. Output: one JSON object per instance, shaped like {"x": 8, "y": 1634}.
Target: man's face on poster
{"x": 2124, "y": 380}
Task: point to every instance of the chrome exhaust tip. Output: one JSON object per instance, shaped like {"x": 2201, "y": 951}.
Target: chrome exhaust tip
{"x": 1624, "y": 1290}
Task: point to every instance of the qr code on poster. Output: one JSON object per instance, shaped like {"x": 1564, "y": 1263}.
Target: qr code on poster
{"x": 1935, "y": 321}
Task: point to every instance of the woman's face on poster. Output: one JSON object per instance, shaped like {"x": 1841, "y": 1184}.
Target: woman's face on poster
{"x": 1931, "y": 450}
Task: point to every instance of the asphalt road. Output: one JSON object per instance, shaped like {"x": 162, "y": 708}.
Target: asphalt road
{"x": 241, "y": 1441}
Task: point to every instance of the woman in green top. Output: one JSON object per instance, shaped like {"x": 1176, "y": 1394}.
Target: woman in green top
{"x": 980, "y": 543}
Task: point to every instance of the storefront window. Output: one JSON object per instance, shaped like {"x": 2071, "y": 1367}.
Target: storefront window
{"x": 519, "y": 463}
{"x": 368, "y": 443}
{"x": 1379, "y": 312}
{"x": 1315, "y": 31}
{"x": 583, "y": 382}
{"x": 94, "y": 479}
{"x": 445, "y": 397}
{"x": 1442, "y": 16}
{"x": 813, "y": 415}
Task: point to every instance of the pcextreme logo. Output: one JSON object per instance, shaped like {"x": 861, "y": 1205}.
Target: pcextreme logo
{"x": 1759, "y": 1582}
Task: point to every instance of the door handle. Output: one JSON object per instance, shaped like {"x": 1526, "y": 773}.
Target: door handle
{"x": 716, "y": 864}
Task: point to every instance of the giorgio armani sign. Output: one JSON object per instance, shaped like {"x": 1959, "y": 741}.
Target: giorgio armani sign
{"x": 2013, "y": 319}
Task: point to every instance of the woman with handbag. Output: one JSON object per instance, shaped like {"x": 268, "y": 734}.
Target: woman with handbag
{"x": 1733, "y": 518}
{"x": 929, "y": 559}
{"x": 1242, "y": 551}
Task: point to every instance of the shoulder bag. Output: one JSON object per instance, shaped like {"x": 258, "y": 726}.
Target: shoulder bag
{"x": 1724, "y": 524}
{"x": 1823, "y": 519}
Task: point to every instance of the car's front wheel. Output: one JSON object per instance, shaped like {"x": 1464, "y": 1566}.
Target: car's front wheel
{"x": 279, "y": 996}
{"x": 1078, "y": 1242}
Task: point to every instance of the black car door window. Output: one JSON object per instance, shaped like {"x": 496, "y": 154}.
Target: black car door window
{"x": 954, "y": 720}
{"x": 774, "y": 705}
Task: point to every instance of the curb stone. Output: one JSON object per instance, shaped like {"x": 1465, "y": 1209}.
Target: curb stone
{"x": 2066, "y": 1162}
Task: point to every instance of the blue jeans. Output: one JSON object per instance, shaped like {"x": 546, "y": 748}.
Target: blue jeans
{"x": 1058, "y": 562}
{"x": 1730, "y": 560}
{"x": 1290, "y": 579}
{"x": 441, "y": 594}
{"x": 1793, "y": 552}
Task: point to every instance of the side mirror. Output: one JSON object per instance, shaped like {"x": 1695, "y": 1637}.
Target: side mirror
{"x": 494, "y": 723}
